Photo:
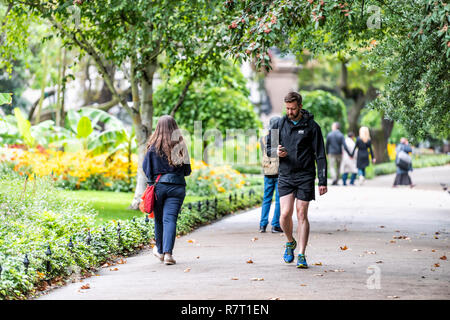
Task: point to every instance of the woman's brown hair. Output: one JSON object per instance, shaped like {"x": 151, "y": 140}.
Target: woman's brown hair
{"x": 168, "y": 141}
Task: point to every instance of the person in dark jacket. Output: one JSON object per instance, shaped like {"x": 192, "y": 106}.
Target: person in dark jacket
{"x": 167, "y": 157}
{"x": 300, "y": 146}
{"x": 402, "y": 175}
{"x": 335, "y": 143}
{"x": 363, "y": 143}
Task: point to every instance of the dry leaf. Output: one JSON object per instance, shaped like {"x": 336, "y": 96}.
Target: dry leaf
{"x": 432, "y": 250}
{"x": 249, "y": 261}
{"x": 277, "y": 298}
{"x": 187, "y": 269}
{"x": 121, "y": 261}
{"x": 417, "y": 250}
{"x": 393, "y": 297}
{"x": 254, "y": 239}
{"x": 191, "y": 241}
{"x": 443, "y": 258}
{"x": 198, "y": 257}
{"x": 303, "y": 285}
{"x": 437, "y": 265}
{"x": 257, "y": 279}
{"x": 86, "y": 286}
{"x": 401, "y": 237}
{"x": 317, "y": 264}
{"x": 318, "y": 275}
{"x": 392, "y": 241}
{"x": 382, "y": 227}
{"x": 436, "y": 237}
{"x": 379, "y": 261}
{"x": 344, "y": 247}
{"x": 114, "y": 269}
{"x": 234, "y": 278}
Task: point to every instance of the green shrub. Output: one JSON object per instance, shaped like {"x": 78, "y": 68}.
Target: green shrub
{"x": 38, "y": 219}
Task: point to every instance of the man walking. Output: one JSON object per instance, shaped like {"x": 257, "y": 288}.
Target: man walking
{"x": 335, "y": 142}
{"x": 300, "y": 147}
{"x": 270, "y": 168}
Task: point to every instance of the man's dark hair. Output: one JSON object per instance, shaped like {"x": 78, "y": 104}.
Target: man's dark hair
{"x": 351, "y": 134}
{"x": 293, "y": 96}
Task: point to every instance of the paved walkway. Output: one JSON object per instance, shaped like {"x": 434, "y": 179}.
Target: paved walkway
{"x": 395, "y": 239}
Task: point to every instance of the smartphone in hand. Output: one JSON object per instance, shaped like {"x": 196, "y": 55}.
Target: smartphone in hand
{"x": 283, "y": 149}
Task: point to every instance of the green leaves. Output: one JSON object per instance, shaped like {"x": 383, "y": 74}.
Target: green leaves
{"x": 84, "y": 127}
{"x": 24, "y": 128}
{"x": 5, "y": 98}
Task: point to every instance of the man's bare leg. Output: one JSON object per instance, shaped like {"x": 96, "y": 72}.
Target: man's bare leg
{"x": 286, "y": 211}
{"x": 303, "y": 224}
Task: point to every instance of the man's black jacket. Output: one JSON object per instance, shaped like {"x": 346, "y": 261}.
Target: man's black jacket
{"x": 304, "y": 144}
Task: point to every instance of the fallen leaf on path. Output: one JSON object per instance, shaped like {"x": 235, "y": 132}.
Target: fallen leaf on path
{"x": 401, "y": 237}
{"x": 392, "y": 241}
{"x": 234, "y": 278}
{"x": 277, "y": 298}
{"x": 254, "y": 239}
{"x": 397, "y": 230}
{"x": 187, "y": 269}
{"x": 198, "y": 257}
{"x": 379, "y": 261}
{"x": 302, "y": 285}
{"x": 393, "y": 297}
{"x": 436, "y": 233}
{"x": 86, "y": 286}
{"x": 443, "y": 258}
{"x": 318, "y": 275}
{"x": 417, "y": 250}
{"x": 191, "y": 241}
{"x": 344, "y": 247}
{"x": 436, "y": 237}
{"x": 122, "y": 261}
{"x": 382, "y": 227}
{"x": 257, "y": 279}
{"x": 432, "y": 250}
{"x": 249, "y": 261}
{"x": 114, "y": 269}
{"x": 317, "y": 264}
{"x": 437, "y": 265}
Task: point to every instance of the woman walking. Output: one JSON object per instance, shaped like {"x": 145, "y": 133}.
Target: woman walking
{"x": 363, "y": 143}
{"x": 403, "y": 167}
{"x": 167, "y": 158}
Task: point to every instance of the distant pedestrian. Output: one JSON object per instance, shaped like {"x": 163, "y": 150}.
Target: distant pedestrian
{"x": 348, "y": 164}
{"x": 363, "y": 144}
{"x": 403, "y": 162}
{"x": 167, "y": 156}
{"x": 334, "y": 144}
{"x": 270, "y": 168}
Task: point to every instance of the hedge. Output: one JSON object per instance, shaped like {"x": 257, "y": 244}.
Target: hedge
{"x": 45, "y": 238}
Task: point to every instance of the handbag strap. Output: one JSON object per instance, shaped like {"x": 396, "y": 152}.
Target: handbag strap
{"x": 157, "y": 179}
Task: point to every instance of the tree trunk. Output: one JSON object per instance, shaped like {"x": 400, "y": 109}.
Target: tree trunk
{"x": 143, "y": 126}
{"x": 380, "y": 140}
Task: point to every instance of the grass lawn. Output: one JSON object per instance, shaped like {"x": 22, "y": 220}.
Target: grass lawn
{"x": 111, "y": 205}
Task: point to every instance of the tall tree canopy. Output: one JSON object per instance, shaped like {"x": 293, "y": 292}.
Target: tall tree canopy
{"x": 130, "y": 36}
{"x": 407, "y": 40}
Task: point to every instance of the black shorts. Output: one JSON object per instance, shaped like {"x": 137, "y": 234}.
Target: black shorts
{"x": 302, "y": 188}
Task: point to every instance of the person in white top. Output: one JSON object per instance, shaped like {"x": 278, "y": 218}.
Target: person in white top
{"x": 348, "y": 164}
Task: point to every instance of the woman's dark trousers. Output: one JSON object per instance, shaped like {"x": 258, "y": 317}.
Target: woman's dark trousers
{"x": 169, "y": 198}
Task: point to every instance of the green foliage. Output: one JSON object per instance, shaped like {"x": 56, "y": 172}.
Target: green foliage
{"x": 5, "y": 98}
{"x": 326, "y": 109}
{"x": 24, "y": 128}
{"x": 40, "y": 217}
{"x": 410, "y": 45}
{"x": 220, "y": 100}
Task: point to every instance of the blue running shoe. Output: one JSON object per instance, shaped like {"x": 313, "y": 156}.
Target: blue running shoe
{"x": 289, "y": 252}
{"x": 301, "y": 262}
